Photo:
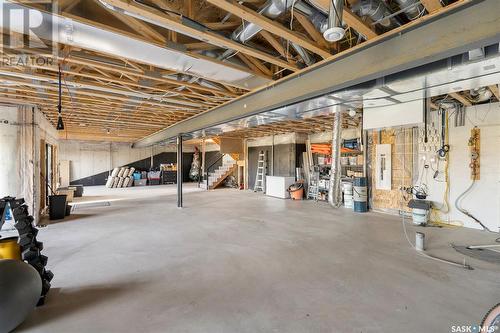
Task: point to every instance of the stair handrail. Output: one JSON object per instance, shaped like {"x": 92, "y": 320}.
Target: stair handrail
{"x": 211, "y": 165}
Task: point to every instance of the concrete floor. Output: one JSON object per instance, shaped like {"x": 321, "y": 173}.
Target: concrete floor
{"x": 234, "y": 261}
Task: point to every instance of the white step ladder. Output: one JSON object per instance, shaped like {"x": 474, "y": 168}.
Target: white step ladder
{"x": 260, "y": 180}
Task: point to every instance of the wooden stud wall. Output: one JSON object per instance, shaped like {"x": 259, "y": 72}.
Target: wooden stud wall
{"x": 401, "y": 141}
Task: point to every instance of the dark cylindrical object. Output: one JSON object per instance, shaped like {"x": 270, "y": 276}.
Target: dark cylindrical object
{"x": 57, "y": 206}
{"x": 179, "y": 171}
{"x": 68, "y": 210}
{"x": 78, "y": 191}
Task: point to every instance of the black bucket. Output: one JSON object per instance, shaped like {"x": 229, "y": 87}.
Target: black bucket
{"x": 68, "y": 209}
{"x": 57, "y": 206}
{"x": 78, "y": 190}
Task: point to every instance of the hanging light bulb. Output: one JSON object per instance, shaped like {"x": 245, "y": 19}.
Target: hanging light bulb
{"x": 60, "y": 123}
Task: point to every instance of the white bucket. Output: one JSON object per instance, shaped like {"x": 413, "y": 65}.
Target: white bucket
{"x": 420, "y": 241}
{"x": 347, "y": 188}
{"x": 420, "y": 216}
{"x": 348, "y": 202}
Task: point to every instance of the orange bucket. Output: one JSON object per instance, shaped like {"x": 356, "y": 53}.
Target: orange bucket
{"x": 296, "y": 191}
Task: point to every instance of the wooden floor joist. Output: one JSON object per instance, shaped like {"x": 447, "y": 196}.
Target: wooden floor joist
{"x": 109, "y": 97}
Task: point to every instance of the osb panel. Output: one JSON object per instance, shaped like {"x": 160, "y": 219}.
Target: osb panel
{"x": 401, "y": 145}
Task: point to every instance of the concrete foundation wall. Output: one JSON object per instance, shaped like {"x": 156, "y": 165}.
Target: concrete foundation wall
{"x": 89, "y": 159}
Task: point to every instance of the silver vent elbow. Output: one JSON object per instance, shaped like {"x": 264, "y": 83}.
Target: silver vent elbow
{"x": 335, "y": 31}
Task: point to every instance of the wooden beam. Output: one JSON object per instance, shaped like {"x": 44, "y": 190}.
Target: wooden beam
{"x": 189, "y": 9}
{"x": 351, "y": 19}
{"x": 196, "y": 55}
{"x": 66, "y": 5}
{"x": 255, "y": 65}
{"x": 200, "y": 46}
{"x": 178, "y": 23}
{"x": 276, "y": 45}
{"x": 460, "y": 98}
{"x": 357, "y": 24}
{"x": 140, "y": 27}
{"x": 495, "y": 90}
{"x": 252, "y": 16}
{"x": 432, "y": 5}
{"x": 222, "y": 25}
{"x": 311, "y": 30}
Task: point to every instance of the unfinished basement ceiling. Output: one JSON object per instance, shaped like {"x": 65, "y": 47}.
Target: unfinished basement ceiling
{"x": 132, "y": 68}
{"x": 454, "y": 77}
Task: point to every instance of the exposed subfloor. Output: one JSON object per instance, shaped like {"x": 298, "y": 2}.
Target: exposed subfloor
{"x": 235, "y": 261}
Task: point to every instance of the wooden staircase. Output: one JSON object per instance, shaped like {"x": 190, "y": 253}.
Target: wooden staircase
{"x": 218, "y": 177}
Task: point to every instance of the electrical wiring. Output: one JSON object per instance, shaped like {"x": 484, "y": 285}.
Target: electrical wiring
{"x": 425, "y": 255}
{"x": 436, "y": 219}
{"x": 464, "y": 211}
{"x": 403, "y": 198}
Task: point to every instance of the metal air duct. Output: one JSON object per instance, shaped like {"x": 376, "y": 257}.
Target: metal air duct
{"x": 335, "y": 31}
{"x": 272, "y": 9}
{"x": 376, "y": 11}
{"x": 412, "y": 8}
{"x": 72, "y": 32}
{"x": 481, "y": 94}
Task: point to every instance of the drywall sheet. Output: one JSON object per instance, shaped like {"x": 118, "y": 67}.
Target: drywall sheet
{"x": 401, "y": 114}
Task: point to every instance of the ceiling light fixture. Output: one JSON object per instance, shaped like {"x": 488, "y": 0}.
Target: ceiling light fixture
{"x": 334, "y": 31}
{"x": 60, "y": 123}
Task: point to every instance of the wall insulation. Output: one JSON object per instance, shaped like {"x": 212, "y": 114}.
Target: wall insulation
{"x": 23, "y": 131}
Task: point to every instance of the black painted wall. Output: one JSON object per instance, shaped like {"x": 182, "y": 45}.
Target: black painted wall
{"x": 142, "y": 165}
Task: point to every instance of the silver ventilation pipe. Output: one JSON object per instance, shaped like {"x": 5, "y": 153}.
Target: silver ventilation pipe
{"x": 334, "y": 191}
{"x": 272, "y": 9}
{"x": 481, "y": 94}
{"x": 377, "y": 11}
{"x": 413, "y": 9}
{"x": 306, "y": 57}
{"x": 85, "y": 36}
{"x": 335, "y": 31}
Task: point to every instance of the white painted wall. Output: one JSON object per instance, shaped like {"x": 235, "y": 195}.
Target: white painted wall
{"x": 88, "y": 158}
{"x": 484, "y": 200}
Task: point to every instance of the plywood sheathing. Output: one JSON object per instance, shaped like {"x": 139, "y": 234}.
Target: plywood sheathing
{"x": 401, "y": 141}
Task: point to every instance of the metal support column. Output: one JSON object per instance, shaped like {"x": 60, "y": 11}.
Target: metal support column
{"x": 179, "y": 171}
